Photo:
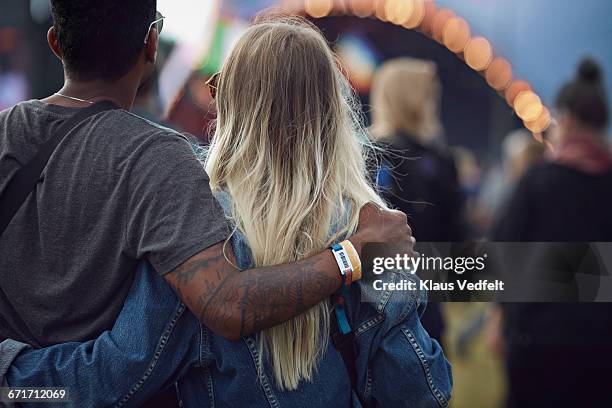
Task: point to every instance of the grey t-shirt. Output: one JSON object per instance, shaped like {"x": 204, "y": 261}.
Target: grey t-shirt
{"x": 119, "y": 189}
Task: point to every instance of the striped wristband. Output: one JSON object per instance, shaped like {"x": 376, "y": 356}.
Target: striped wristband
{"x": 347, "y": 258}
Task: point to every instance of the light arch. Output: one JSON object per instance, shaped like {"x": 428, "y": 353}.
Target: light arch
{"x": 446, "y": 27}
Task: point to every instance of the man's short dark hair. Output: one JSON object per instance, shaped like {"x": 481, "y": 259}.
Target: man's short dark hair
{"x": 101, "y": 39}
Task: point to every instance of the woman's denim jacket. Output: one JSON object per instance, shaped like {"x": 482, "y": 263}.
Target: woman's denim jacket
{"x": 156, "y": 342}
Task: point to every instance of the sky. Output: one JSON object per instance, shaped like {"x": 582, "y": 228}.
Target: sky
{"x": 543, "y": 39}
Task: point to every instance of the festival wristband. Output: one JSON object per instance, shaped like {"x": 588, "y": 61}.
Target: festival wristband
{"x": 350, "y": 250}
{"x": 343, "y": 259}
{"x": 346, "y": 270}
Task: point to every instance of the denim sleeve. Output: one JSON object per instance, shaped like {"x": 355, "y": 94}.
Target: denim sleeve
{"x": 398, "y": 364}
{"x": 153, "y": 342}
{"x": 9, "y": 350}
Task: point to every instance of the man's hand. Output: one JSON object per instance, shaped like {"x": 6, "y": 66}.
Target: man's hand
{"x": 383, "y": 226}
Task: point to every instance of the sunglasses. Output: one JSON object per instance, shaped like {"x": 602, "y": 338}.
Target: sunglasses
{"x": 158, "y": 24}
{"x": 213, "y": 84}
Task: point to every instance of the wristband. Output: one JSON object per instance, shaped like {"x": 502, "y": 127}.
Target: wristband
{"x": 346, "y": 270}
{"x": 343, "y": 259}
{"x": 354, "y": 258}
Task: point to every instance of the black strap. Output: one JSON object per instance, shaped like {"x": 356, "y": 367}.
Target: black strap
{"x": 25, "y": 180}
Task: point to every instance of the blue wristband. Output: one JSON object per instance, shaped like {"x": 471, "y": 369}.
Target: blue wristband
{"x": 342, "y": 294}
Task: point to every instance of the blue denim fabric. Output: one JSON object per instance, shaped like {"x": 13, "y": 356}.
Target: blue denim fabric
{"x": 156, "y": 342}
{"x": 153, "y": 343}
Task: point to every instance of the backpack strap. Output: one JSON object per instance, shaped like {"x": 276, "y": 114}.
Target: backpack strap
{"x": 26, "y": 178}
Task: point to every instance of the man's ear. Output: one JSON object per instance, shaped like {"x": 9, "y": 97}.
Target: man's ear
{"x": 151, "y": 46}
{"x": 54, "y": 43}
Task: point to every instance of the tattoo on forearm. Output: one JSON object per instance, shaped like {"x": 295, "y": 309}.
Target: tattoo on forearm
{"x": 260, "y": 298}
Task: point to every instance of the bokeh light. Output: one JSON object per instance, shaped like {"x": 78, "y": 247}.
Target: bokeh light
{"x": 528, "y": 106}
{"x": 418, "y": 13}
{"x": 515, "y": 88}
{"x": 362, "y": 8}
{"x": 541, "y": 123}
{"x": 478, "y": 53}
{"x": 399, "y": 11}
{"x": 318, "y": 8}
{"x": 456, "y": 34}
{"x": 442, "y": 17}
{"x": 428, "y": 17}
{"x": 499, "y": 74}
{"x": 380, "y": 9}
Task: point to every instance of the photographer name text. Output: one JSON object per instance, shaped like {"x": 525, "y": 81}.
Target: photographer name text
{"x": 431, "y": 286}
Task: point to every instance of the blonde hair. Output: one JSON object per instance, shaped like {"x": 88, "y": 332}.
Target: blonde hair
{"x": 288, "y": 148}
{"x": 405, "y": 97}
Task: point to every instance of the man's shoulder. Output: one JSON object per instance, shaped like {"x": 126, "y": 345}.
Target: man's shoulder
{"x": 22, "y": 108}
{"x": 137, "y": 135}
{"x": 142, "y": 126}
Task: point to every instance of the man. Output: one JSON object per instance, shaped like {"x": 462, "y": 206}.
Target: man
{"x": 119, "y": 190}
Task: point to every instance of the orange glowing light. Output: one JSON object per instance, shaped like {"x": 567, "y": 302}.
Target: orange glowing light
{"x": 380, "y": 10}
{"x": 362, "y": 8}
{"x": 478, "y": 53}
{"x": 528, "y": 106}
{"x": 456, "y": 34}
{"x": 399, "y": 11}
{"x": 499, "y": 74}
{"x": 418, "y": 14}
{"x": 515, "y": 88}
{"x": 541, "y": 123}
{"x": 428, "y": 17}
{"x": 442, "y": 17}
{"x": 318, "y": 8}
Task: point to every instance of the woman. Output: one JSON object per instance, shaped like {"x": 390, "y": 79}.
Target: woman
{"x": 568, "y": 347}
{"x": 416, "y": 176}
{"x": 287, "y": 163}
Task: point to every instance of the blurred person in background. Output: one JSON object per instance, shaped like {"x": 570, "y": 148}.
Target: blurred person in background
{"x": 561, "y": 354}
{"x": 287, "y": 164}
{"x": 470, "y": 176}
{"x": 520, "y": 151}
{"x": 13, "y": 86}
{"x": 417, "y": 174}
{"x": 194, "y": 111}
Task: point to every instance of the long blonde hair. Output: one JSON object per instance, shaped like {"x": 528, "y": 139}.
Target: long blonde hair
{"x": 405, "y": 98}
{"x": 288, "y": 148}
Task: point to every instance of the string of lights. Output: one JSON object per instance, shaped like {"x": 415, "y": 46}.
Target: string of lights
{"x": 451, "y": 30}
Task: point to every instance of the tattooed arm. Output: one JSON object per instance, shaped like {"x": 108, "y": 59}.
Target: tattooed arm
{"x": 233, "y": 303}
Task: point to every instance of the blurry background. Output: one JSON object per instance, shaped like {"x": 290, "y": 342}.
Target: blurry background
{"x": 499, "y": 62}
